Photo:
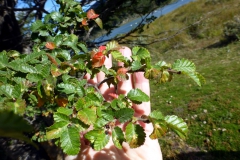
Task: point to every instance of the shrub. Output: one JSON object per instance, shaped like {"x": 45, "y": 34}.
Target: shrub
{"x": 232, "y": 29}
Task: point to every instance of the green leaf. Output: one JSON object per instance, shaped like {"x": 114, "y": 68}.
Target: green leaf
{"x": 177, "y": 125}
{"x": 101, "y": 141}
{"x": 36, "y": 25}
{"x": 183, "y": 65}
{"x": 56, "y": 130}
{"x": 34, "y": 77}
{"x": 156, "y": 115}
{"x": 59, "y": 117}
{"x": 136, "y": 65}
{"x": 124, "y": 114}
{"x": 3, "y": 60}
{"x": 56, "y": 16}
{"x": 135, "y": 135}
{"x": 70, "y": 140}
{"x": 113, "y": 45}
{"x": 7, "y": 90}
{"x": 83, "y": 47}
{"x": 67, "y": 88}
{"x": 98, "y": 138}
{"x": 118, "y": 137}
{"x": 99, "y": 22}
{"x": 119, "y": 57}
{"x": 140, "y": 53}
{"x": 65, "y": 111}
{"x": 87, "y": 115}
{"x": 137, "y": 95}
{"x": 43, "y": 33}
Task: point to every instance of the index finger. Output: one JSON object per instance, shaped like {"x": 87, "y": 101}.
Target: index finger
{"x": 140, "y": 82}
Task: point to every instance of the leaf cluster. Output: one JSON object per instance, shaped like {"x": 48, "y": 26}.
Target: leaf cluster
{"x": 51, "y": 80}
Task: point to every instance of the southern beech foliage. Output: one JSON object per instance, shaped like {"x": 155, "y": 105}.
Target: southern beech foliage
{"x": 50, "y": 82}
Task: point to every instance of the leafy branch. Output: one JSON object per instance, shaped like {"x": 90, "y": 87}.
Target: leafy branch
{"x": 49, "y": 82}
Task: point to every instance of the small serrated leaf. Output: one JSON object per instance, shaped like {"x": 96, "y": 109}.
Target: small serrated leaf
{"x": 65, "y": 111}
{"x": 118, "y": 137}
{"x": 87, "y": 115}
{"x": 177, "y": 125}
{"x": 58, "y": 117}
{"x": 124, "y": 114}
{"x": 137, "y": 95}
{"x": 156, "y": 115}
{"x": 67, "y": 88}
{"x": 70, "y": 140}
{"x": 101, "y": 141}
{"x": 56, "y": 130}
{"x": 135, "y": 135}
{"x": 136, "y": 65}
{"x": 183, "y": 65}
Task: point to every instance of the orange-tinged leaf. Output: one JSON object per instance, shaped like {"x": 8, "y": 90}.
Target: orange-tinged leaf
{"x": 55, "y": 71}
{"x": 50, "y": 45}
{"x": 84, "y": 22}
{"x": 52, "y": 59}
{"x": 61, "y": 101}
{"x": 91, "y": 14}
{"x": 122, "y": 74}
{"x": 41, "y": 102}
{"x": 98, "y": 59}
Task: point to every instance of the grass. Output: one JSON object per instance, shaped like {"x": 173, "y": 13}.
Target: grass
{"x": 211, "y": 111}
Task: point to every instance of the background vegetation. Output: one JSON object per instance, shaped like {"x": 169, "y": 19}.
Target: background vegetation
{"x": 206, "y": 32}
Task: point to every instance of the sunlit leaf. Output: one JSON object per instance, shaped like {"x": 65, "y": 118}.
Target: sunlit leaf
{"x": 56, "y": 130}
{"x": 137, "y": 95}
{"x": 59, "y": 117}
{"x": 87, "y": 115}
{"x": 177, "y": 125}
{"x": 156, "y": 115}
{"x": 65, "y": 111}
{"x": 70, "y": 140}
{"x": 101, "y": 141}
{"x": 67, "y": 88}
{"x": 135, "y": 135}
{"x": 118, "y": 137}
{"x": 99, "y": 22}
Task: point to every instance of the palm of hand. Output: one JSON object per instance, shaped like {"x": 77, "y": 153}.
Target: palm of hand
{"x": 151, "y": 149}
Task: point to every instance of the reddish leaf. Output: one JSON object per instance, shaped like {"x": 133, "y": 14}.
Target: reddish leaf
{"x": 98, "y": 59}
{"x": 122, "y": 74}
{"x": 50, "y": 45}
{"x": 84, "y": 22}
{"x": 62, "y": 102}
{"x": 101, "y": 48}
{"x": 52, "y": 59}
{"x": 91, "y": 14}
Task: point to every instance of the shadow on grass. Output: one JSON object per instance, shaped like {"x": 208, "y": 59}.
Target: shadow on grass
{"x": 211, "y": 155}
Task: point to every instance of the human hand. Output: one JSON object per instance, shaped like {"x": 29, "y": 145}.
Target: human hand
{"x": 150, "y": 150}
